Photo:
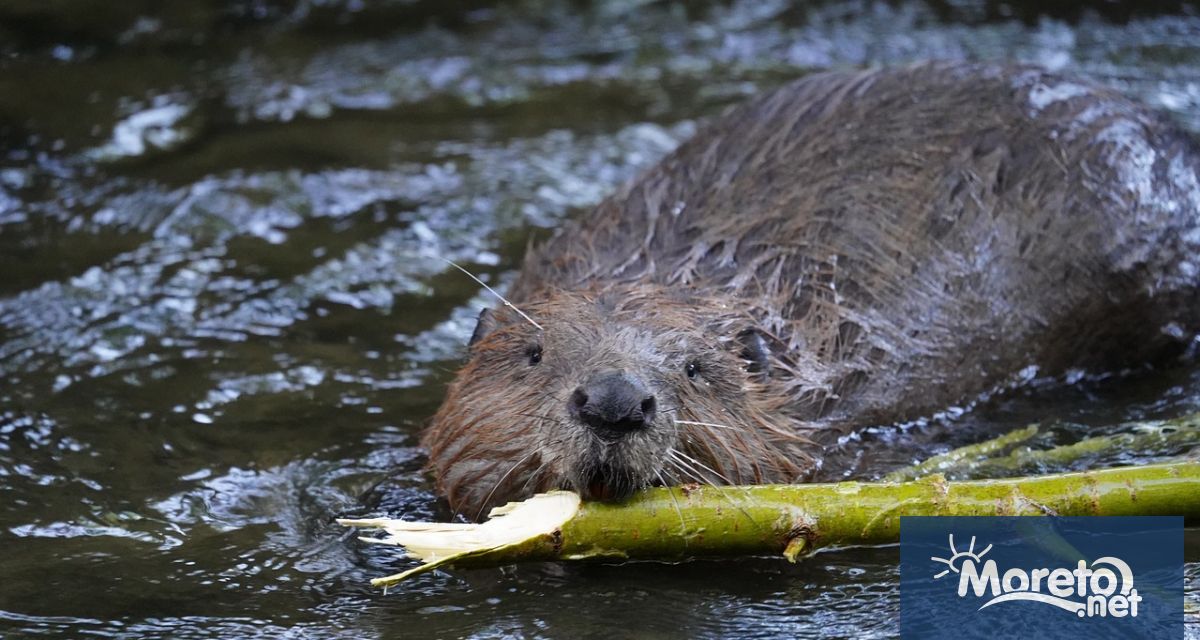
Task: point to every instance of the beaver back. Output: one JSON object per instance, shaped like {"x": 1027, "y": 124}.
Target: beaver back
{"x": 908, "y": 239}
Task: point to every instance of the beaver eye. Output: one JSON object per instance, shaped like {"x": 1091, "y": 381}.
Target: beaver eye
{"x": 535, "y": 355}
{"x": 692, "y": 369}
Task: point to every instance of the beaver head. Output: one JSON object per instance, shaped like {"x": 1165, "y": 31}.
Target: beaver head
{"x": 618, "y": 389}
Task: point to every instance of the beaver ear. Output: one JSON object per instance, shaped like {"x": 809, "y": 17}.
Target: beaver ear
{"x": 755, "y": 352}
{"x": 483, "y": 326}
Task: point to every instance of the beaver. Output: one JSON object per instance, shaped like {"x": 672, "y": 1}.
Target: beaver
{"x": 851, "y": 249}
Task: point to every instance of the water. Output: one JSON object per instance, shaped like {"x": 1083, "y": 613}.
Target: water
{"x": 223, "y": 319}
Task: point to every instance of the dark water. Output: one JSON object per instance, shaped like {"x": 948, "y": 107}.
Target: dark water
{"x": 223, "y": 318}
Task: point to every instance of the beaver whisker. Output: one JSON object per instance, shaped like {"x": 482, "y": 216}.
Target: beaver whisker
{"x": 679, "y": 511}
{"x": 536, "y": 472}
{"x": 707, "y": 424}
{"x": 685, "y": 461}
{"x": 499, "y": 482}
{"x": 680, "y": 464}
{"x": 535, "y": 416}
{"x": 681, "y": 475}
{"x": 680, "y": 456}
{"x": 493, "y": 292}
{"x": 674, "y": 474}
{"x": 688, "y": 474}
{"x": 707, "y": 468}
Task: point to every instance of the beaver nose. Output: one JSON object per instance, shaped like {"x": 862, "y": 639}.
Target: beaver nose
{"x": 613, "y": 403}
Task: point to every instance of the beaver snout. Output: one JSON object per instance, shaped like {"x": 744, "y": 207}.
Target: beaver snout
{"x": 613, "y": 404}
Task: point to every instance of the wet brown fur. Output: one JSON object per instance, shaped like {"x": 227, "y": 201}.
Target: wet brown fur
{"x": 903, "y": 240}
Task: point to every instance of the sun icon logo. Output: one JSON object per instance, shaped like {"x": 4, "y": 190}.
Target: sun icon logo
{"x": 958, "y": 557}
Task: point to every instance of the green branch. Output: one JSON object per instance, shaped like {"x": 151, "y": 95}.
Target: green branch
{"x": 963, "y": 458}
{"x": 1002, "y": 457}
{"x": 679, "y": 522}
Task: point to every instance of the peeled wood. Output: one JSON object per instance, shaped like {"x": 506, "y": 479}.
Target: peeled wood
{"x": 689, "y": 521}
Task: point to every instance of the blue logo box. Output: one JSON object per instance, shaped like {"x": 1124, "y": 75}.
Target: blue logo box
{"x": 1041, "y": 578}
